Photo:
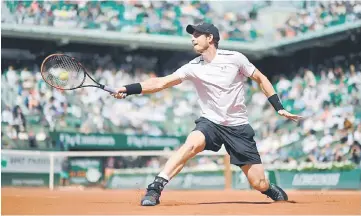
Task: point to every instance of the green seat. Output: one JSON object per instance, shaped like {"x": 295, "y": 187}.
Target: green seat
{"x": 294, "y": 150}
{"x": 33, "y": 119}
{"x": 73, "y": 122}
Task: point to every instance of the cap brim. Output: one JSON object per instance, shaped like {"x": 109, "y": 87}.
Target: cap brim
{"x": 190, "y": 29}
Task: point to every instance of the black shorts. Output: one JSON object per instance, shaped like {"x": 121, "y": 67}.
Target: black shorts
{"x": 238, "y": 141}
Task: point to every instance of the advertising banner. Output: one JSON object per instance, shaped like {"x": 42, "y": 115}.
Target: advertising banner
{"x": 11, "y": 163}
{"x": 184, "y": 181}
{"x": 85, "y": 171}
{"x": 78, "y": 141}
{"x": 27, "y": 179}
{"x": 320, "y": 180}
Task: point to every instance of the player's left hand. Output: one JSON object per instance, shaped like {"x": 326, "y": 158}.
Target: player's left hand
{"x": 289, "y": 115}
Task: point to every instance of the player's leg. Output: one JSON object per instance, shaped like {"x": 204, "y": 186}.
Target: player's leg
{"x": 195, "y": 143}
{"x": 242, "y": 148}
{"x": 257, "y": 179}
{"x": 202, "y": 137}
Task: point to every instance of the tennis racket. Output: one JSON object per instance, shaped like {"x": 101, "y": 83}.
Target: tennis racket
{"x": 66, "y": 73}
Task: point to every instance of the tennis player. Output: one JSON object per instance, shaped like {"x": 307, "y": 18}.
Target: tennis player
{"x": 218, "y": 78}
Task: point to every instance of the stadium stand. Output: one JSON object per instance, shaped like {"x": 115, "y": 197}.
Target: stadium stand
{"x": 316, "y": 16}
{"x": 151, "y": 17}
{"x": 328, "y": 96}
{"x": 169, "y": 17}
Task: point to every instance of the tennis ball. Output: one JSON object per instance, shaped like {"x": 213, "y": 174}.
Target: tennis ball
{"x": 64, "y": 75}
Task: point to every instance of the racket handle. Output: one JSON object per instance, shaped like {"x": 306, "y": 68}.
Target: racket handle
{"x": 110, "y": 89}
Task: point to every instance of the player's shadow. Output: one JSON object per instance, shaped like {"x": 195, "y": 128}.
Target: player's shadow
{"x": 175, "y": 203}
{"x": 244, "y": 202}
{"x": 233, "y": 202}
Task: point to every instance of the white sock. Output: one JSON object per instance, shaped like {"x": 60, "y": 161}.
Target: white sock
{"x": 163, "y": 175}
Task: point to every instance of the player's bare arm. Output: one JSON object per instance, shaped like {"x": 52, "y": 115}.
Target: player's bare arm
{"x": 269, "y": 91}
{"x": 148, "y": 86}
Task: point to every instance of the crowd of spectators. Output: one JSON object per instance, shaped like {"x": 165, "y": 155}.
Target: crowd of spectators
{"x": 170, "y": 17}
{"x": 153, "y": 17}
{"x": 329, "y": 98}
{"x": 318, "y": 15}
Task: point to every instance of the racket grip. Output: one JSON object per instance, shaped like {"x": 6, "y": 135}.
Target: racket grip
{"x": 110, "y": 89}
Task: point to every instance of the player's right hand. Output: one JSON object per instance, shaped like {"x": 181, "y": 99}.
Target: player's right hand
{"x": 121, "y": 94}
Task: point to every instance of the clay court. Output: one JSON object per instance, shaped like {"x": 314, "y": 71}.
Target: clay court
{"x": 72, "y": 201}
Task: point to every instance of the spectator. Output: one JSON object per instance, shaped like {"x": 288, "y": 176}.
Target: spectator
{"x": 65, "y": 170}
{"x": 12, "y": 76}
{"x": 356, "y": 153}
{"x": 32, "y": 140}
{"x": 19, "y": 122}
{"x": 357, "y": 134}
{"x": 7, "y": 116}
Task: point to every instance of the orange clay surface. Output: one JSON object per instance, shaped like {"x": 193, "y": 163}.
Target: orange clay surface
{"x": 25, "y": 201}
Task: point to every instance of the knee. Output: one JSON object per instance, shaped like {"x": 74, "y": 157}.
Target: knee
{"x": 195, "y": 143}
{"x": 192, "y": 148}
{"x": 260, "y": 184}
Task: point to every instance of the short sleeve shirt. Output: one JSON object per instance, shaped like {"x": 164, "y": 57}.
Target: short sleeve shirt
{"x": 220, "y": 86}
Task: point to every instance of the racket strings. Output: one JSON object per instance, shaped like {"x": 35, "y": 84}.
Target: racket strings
{"x": 63, "y": 72}
{"x": 55, "y": 80}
